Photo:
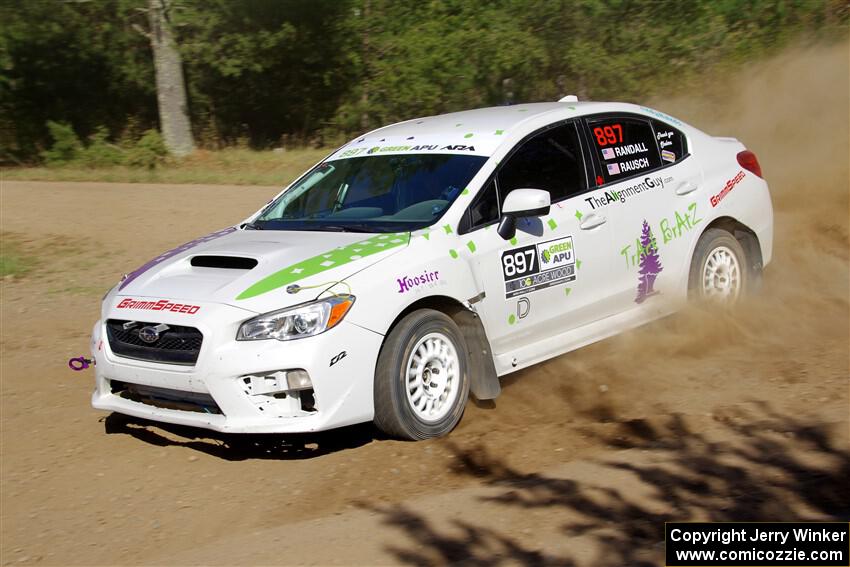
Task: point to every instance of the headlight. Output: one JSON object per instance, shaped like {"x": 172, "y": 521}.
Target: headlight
{"x": 297, "y": 322}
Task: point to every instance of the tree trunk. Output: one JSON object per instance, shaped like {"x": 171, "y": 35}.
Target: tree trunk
{"x": 170, "y": 85}
{"x": 364, "y": 96}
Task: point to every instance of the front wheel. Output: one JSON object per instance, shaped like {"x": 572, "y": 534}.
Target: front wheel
{"x": 718, "y": 268}
{"x": 422, "y": 377}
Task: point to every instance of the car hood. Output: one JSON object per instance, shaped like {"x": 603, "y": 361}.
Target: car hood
{"x": 283, "y": 258}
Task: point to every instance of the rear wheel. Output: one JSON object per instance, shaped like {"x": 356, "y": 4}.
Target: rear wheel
{"x": 421, "y": 381}
{"x": 718, "y": 268}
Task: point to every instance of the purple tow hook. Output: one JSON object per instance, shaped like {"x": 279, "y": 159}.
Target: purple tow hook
{"x": 80, "y": 363}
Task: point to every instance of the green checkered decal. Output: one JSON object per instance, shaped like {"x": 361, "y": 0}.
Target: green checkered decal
{"x": 323, "y": 262}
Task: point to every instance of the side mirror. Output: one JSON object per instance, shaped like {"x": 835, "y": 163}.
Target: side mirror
{"x": 522, "y": 203}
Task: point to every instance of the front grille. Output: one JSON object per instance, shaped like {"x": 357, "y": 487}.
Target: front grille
{"x": 177, "y": 345}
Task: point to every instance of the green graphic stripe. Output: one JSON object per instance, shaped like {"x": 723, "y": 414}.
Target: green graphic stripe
{"x": 323, "y": 262}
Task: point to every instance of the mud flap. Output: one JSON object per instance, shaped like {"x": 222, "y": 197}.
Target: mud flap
{"x": 483, "y": 380}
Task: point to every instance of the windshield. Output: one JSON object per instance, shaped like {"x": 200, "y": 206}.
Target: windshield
{"x": 390, "y": 193}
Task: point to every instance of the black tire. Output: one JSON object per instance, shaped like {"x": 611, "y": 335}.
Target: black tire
{"x": 716, "y": 240}
{"x": 394, "y": 413}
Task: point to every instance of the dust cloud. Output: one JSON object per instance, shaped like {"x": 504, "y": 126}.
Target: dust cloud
{"x": 792, "y": 111}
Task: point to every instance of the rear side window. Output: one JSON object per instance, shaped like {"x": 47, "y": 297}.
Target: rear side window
{"x": 624, "y": 146}
{"x": 671, "y": 142}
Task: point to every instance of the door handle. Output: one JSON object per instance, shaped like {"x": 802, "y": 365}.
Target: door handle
{"x": 686, "y": 187}
{"x": 592, "y": 221}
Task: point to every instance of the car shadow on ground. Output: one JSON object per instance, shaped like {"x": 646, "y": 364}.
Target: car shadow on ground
{"x": 757, "y": 465}
{"x": 233, "y": 447}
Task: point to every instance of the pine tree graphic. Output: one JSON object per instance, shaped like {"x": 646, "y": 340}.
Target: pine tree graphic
{"x": 650, "y": 264}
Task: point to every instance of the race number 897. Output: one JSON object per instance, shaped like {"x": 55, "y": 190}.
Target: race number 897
{"x": 519, "y": 262}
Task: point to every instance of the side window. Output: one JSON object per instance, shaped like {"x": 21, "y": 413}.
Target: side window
{"x": 485, "y": 208}
{"x": 671, "y": 142}
{"x": 551, "y": 160}
{"x": 624, "y": 146}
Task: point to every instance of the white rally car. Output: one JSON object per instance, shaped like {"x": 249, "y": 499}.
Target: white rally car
{"x": 424, "y": 260}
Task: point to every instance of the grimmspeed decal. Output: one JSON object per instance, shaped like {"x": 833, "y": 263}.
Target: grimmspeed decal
{"x": 158, "y": 305}
{"x": 323, "y": 262}
{"x": 538, "y": 266}
{"x": 621, "y": 196}
{"x": 166, "y": 255}
{"x": 715, "y": 199}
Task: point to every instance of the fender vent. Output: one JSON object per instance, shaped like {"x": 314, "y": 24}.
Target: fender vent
{"x": 224, "y": 262}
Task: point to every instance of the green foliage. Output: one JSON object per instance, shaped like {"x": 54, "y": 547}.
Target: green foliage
{"x": 13, "y": 263}
{"x": 13, "y": 266}
{"x": 66, "y": 145}
{"x": 264, "y": 70}
{"x": 429, "y": 58}
{"x": 74, "y": 62}
{"x": 149, "y": 151}
{"x": 99, "y": 152}
{"x": 278, "y": 72}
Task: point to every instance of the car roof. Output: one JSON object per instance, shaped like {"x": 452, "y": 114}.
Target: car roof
{"x": 478, "y": 120}
{"x": 473, "y": 132}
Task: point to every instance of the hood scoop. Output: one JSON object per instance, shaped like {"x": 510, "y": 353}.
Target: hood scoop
{"x": 224, "y": 262}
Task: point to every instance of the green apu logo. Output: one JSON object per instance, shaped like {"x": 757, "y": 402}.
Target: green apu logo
{"x": 559, "y": 252}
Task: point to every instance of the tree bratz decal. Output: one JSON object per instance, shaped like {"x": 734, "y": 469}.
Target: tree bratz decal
{"x": 650, "y": 264}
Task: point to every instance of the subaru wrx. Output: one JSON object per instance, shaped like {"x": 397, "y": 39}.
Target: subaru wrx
{"x": 421, "y": 262}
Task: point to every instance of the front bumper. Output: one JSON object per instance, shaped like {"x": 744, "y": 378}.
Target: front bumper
{"x": 342, "y": 391}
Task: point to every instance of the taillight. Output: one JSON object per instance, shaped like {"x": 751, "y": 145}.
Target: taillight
{"x": 750, "y": 162}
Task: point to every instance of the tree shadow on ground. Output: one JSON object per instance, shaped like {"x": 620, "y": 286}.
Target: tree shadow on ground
{"x": 755, "y": 465}
{"x": 235, "y": 447}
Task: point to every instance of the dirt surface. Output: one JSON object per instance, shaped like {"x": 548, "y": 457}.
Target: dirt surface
{"x": 703, "y": 415}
